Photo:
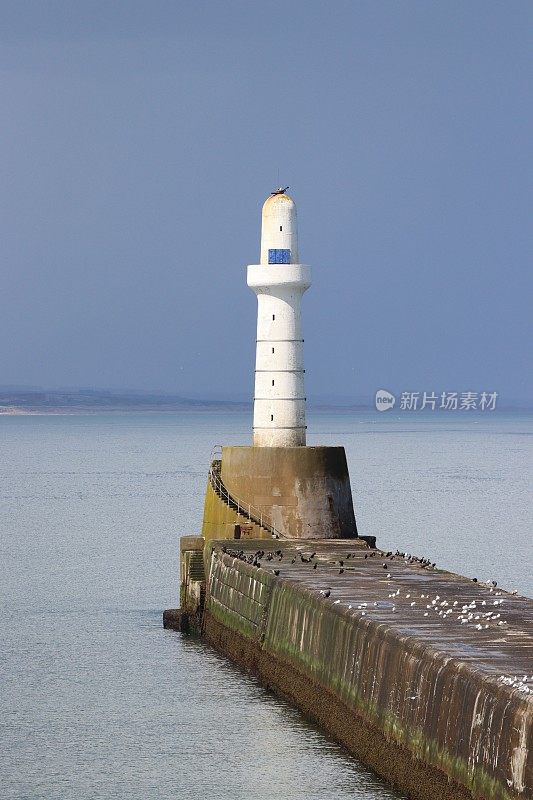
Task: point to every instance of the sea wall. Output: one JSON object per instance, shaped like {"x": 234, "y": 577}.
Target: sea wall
{"x": 429, "y": 722}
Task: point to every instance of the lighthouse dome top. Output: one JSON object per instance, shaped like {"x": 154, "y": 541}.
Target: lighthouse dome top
{"x": 279, "y": 229}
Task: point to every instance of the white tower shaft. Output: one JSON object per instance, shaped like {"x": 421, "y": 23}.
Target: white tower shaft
{"x": 279, "y": 282}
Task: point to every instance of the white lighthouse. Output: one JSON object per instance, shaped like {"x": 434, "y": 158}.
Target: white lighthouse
{"x": 279, "y": 282}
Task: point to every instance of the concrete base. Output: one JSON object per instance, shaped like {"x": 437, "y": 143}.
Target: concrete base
{"x": 304, "y": 492}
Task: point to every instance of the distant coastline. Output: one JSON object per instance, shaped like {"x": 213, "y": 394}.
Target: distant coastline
{"x": 36, "y": 402}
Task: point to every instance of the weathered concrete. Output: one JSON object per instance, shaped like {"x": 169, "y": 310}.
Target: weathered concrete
{"x": 303, "y": 491}
{"x": 221, "y": 521}
{"x": 417, "y": 671}
{"x": 192, "y": 588}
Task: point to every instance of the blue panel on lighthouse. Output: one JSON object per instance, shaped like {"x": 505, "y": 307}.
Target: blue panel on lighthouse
{"x": 278, "y": 256}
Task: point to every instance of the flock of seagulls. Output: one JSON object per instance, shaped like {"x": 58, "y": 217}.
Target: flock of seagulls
{"x": 408, "y": 558}
{"x": 251, "y": 558}
{"x": 477, "y": 612}
{"x": 272, "y": 555}
{"x": 480, "y": 614}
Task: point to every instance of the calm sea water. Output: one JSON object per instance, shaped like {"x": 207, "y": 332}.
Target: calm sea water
{"x": 98, "y": 701}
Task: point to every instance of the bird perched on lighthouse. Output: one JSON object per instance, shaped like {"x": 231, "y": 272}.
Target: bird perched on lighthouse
{"x": 279, "y": 282}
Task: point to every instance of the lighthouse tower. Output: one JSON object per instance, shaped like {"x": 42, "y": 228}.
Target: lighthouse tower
{"x": 279, "y": 282}
{"x": 279, "y": 486}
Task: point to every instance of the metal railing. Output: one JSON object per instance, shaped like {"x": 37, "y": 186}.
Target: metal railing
{"x": 247, "y": 510}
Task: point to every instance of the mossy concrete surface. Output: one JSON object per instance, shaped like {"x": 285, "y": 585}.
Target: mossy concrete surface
{"x": 383, "y": 639}
{"x": 221, "y": 520}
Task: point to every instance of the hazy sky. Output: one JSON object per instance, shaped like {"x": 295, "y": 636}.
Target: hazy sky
{"x": 139, "y": 140}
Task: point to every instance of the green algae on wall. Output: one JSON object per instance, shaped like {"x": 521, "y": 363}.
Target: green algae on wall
{"x": 443, "y": 711}
{"x": 238, "y": 597}
{"x": 402, "y": 687}
{"x": 220, "y": 518}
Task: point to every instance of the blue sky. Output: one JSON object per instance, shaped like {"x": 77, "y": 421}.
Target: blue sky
{"x": 139, "y": 140}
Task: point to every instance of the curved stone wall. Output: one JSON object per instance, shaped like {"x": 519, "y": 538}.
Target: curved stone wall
{"x": 303, "y": 491}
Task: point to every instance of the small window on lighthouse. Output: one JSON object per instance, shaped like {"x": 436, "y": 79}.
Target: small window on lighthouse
{"x": 273, "y": 316}
{"x": 281, "y": 227}
{"x": 279, "y": 256}
{"x": 272, "y": 349}
{"x": 272, "y": 418}
{"x": 272, "y": 381}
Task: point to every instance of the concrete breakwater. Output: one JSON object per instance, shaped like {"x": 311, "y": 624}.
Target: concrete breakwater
{"x": 425, "y": 675}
